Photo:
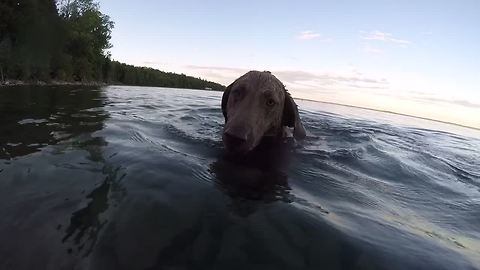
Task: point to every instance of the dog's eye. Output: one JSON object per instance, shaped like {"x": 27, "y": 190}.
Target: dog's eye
{"x": 270, "y": 102}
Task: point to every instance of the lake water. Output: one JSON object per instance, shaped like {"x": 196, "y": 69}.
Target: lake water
{"x": 135, "y": 178}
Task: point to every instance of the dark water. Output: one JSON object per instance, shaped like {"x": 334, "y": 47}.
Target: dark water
{"x": 134, "y": 178}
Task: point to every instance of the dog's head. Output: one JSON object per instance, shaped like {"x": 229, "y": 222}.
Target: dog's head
{"x": 257, "y": 105}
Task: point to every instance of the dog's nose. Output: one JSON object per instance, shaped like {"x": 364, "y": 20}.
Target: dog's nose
{"x": 235, "y": 139}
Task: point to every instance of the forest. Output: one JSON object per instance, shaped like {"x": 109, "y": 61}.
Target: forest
{"x": 68, "y": 40}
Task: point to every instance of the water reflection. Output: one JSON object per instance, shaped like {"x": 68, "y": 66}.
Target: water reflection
{"x": 54, "y": 136}
{"x": 33, "y": 117}
{"x": 86, "y": 223}
{"x": 255, "y": 179}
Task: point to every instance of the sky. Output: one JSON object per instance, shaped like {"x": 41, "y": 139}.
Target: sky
{"x": 420, "y": 58}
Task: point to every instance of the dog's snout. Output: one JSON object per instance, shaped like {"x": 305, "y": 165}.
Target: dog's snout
{"x": 239, "y": 132}
{"x": 235, "y": 139}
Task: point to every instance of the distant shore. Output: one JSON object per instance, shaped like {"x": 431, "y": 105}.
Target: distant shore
{"x": 392, "y": 112}
{"x": 8, "y": 83}
{"x": 11, "y": 83}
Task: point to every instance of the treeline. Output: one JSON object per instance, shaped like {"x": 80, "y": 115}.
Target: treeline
{"x": 143, "y": 76}
{"x": 68, "y": 40}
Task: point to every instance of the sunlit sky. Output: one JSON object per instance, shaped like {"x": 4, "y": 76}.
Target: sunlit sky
{"x": 414, "y": 57}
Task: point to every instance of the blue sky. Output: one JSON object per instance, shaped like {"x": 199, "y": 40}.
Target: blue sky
{"x": 414, "y": 57}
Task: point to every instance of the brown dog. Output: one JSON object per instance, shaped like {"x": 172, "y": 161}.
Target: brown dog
{"x": 258, "y": 105}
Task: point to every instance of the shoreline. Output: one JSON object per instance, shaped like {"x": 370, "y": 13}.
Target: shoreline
{"x": 12, "y": 83}
{"x": 9, "y": 83}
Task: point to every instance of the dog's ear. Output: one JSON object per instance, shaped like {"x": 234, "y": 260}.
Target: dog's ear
{"x": 291, "y": 118}
{"x": 226, "y": 93}
{"x": 289, "y": 109}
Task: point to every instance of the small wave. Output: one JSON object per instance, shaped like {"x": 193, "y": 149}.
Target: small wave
{"x": 188, "y": 118}
{"x": 32, "y": 121}
{"x": 346, "y": 154}
{"x": 455, "y": 169}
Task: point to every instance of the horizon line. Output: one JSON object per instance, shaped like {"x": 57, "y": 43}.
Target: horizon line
{"x": 392, "y": 112}
{"x": 339, "y": 104}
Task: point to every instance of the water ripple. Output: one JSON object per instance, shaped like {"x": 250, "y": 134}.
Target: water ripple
{"x": 94, "y": 177}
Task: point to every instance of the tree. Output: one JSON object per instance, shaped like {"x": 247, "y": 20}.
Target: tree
{"x": 5, "y": 52}
{"x": 88, "y": 37}
{"x": 69, "y": 40}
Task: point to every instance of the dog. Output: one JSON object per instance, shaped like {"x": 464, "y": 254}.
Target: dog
{"x": 257, "y": 106}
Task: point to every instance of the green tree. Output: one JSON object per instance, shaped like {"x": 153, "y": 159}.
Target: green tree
{"x": 143, "y": 76}
{"x": 69, "y": 40}
{"x": 5, "y": 52}
{"x": 89, "y": 33}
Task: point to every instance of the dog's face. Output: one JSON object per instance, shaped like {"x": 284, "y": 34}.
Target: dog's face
{"x": 254, "y": 106}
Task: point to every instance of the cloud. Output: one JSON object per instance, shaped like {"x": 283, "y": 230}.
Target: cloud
{"x": 382, "y": 36}
{"x": 466, "y": 103}
{"x": 308, "y": 35}
{"x": 297, "y": 79}
{"x": 327, "y": 78}
{"x": 461, "y": 102}
{"x": 223, "y": 75}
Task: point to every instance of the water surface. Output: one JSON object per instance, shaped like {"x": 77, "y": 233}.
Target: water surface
{"x": 135, "y": 178}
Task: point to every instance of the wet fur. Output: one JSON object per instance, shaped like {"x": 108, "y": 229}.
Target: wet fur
{"x": 249, "y": 118}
